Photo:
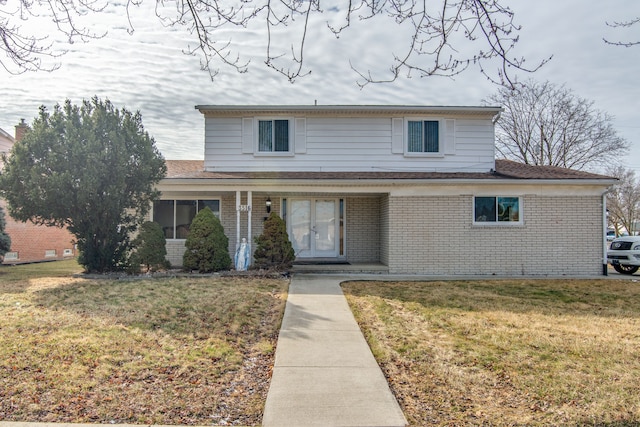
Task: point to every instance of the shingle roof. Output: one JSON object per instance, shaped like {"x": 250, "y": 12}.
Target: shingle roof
{"x": 505, "y": 169}
{"x": 511, "y": 169}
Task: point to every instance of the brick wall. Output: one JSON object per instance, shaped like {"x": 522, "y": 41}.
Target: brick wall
{"x": 363, "y": 229}
{"x": 435, "y": 235}
{"x": 37, "y": 243}
{"x": 384, "y": 229}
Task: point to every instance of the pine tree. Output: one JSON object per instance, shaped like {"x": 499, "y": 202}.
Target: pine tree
{"x": 150, "y": 247}
{"x": 5, "y": 240}
{"x": 207, "y": 246}
{"x": 273, "y": 247}
{"x": 91, "y": 168}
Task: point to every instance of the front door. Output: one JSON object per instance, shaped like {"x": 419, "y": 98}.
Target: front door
{"x": 313, "y": 227}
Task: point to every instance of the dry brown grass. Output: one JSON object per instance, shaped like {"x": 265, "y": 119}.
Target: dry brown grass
{"x": 158, "y": 351}
{"x": 507, "y": 352}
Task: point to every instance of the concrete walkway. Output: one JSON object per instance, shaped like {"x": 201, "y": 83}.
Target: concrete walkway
{"x": 324, "y": 373}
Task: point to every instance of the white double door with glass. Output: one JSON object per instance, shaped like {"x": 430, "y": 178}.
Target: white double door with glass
{"x": 313, "y": 227}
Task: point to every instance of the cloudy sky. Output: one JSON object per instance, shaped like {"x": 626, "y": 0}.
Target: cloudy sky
{"x": 148, "y": 71}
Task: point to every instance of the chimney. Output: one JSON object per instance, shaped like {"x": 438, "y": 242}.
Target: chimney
{"x": 21, "y": 129}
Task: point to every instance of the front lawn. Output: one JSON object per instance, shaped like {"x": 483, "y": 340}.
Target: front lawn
{"x": 153, "y": 351}
{"x": 507, "y": 352}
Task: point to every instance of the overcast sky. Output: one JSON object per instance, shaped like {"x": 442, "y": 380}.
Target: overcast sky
{"x": 147, "y": 71}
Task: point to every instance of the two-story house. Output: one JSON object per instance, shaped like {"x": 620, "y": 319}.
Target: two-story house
{"x": 416, "y": 189}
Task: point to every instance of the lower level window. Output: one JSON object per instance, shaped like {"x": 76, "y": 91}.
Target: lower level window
{"x": 175, "y": 216}
{"x": 11, "y": 256}
{"x": 496, "y": 209}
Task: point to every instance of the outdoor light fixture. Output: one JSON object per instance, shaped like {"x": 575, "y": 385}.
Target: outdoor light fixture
{"x": 268, "y": 203}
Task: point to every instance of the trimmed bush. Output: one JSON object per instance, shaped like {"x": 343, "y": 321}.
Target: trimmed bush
{"x": 150, "y": 247}
{"x": 207, "y": 246}
{"x": 273, "y": 247}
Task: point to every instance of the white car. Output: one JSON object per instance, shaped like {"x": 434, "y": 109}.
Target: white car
{"x": 624, "y": 254}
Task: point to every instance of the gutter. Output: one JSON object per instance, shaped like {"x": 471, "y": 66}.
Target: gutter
{"x": 344, "y": 109}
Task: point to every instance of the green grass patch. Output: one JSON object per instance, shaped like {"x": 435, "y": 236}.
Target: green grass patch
{"x": 507, "y": 352}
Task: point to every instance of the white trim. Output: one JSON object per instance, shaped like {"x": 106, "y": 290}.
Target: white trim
{"x": 300, "y": 139}
{"x": 247, "y": 135}
{"x": 348, "y": 109}
{"x": 397, "y": 135}
{"x": 449, "y": 138}
{"x": 256, "y": 137}
{"x": 496, "y": 223}
{"x": 312, "y": 251}
{"x": 50, "y": 253}
{"x": 441, "y": 139}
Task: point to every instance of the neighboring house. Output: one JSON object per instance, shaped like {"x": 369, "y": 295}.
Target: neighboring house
{"x": 29, "y": 242}
{"x": 414, "y": 188}
{"x": 6, "y": 142}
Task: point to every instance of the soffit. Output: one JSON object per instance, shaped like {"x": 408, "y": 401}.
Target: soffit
{"x": 345, "y": 110}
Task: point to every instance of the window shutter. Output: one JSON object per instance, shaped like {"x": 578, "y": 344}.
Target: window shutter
{"x": 397, "y": 135}
{"x": 247, "y": 135}
{"x": 450, "y": 136}
{"x": 301, "y": 135}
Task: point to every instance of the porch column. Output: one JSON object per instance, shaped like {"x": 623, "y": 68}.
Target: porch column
{"x": 240, "y": 208}
{"x": 238, "y": 203}
{"x": 249, "y": 242}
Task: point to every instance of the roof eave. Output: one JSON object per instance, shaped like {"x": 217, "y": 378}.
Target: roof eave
{"x": 345, "y": 109}
{"x": 384, "y": 182}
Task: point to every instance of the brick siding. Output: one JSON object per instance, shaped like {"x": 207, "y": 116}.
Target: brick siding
{"x": 435, "y": 235}
{"x": 32, "y": 242}
{"x": 384, "y": 229}
{"x": 363, "y": 229}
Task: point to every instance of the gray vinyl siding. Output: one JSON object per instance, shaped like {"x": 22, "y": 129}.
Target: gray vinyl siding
{"x": 348, "y": 144}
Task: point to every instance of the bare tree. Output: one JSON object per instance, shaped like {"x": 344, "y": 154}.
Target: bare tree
{"x": 623, "y": 24}
{"x": 445, "y": 37}
{"x": 623, "y": 201}
{"x": 545, "y": 124}
{"x": 25, "y": 51}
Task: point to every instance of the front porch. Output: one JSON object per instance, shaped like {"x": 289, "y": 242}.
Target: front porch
{"x": 343, "y": 231}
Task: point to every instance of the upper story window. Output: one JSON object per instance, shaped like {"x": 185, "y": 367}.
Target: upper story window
{"x": 175, "y": 216}
{"x": 497, "y": 210}
{"x": 273, "y": 136}
{"x": 423, "y": 136}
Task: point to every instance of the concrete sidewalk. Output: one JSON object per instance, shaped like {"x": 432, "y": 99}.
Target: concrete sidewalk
{"x": 324, "y": 373}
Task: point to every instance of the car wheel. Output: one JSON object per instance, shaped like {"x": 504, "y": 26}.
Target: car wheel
{"x": 625, "y": 269}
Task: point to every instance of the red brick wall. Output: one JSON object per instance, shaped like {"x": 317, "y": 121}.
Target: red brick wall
{"x": 32, "y": 241}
